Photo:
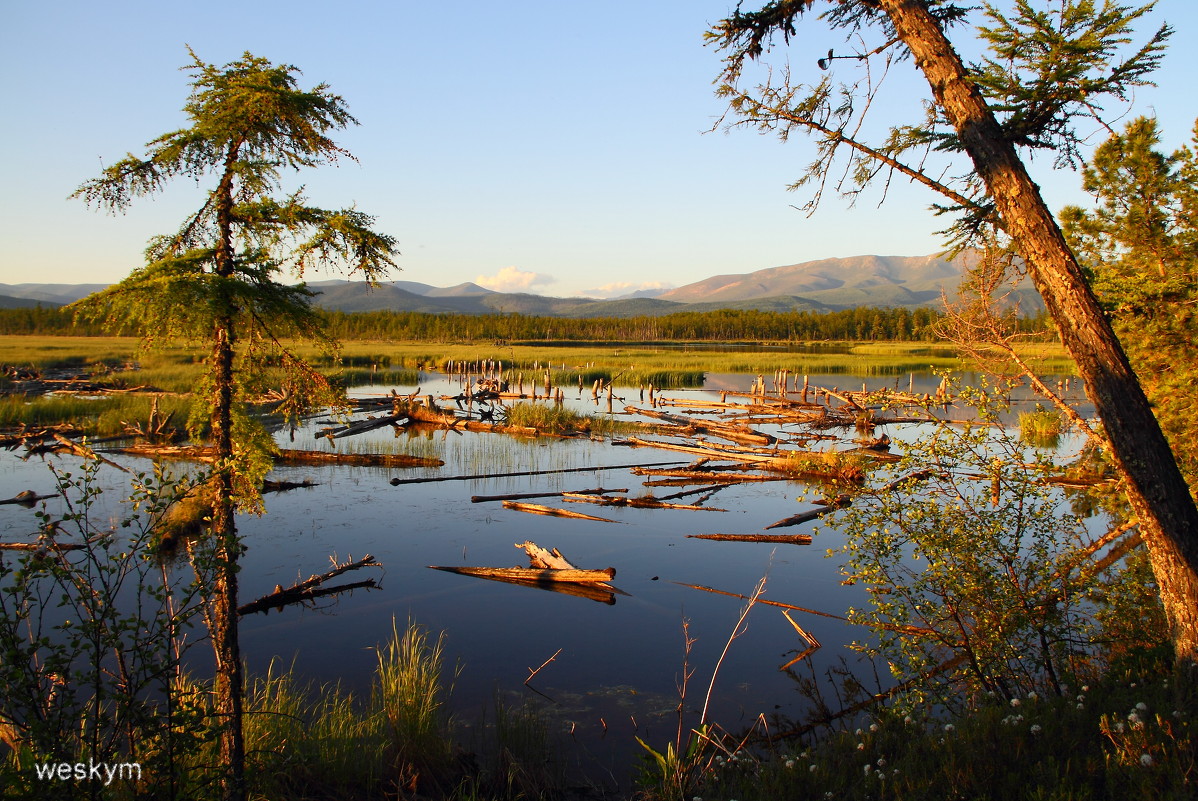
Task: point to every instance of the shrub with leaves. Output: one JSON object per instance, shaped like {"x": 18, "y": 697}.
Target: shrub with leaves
{"x": 981, "y": 579}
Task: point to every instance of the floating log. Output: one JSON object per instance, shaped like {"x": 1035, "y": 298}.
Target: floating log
{"x": 643, "y": 503}
{"x": 40, "y": 546}
{"x": 290, "y": 456}
{"x": 283, "y": 486}
{"x": 310, "y": 587}
{"x": 27, "y": 498}
{"x": 519, "y": 496}
{"x": 730, "y": 431}
{"x": 790, "y": 539}
{"x": 395, "y": 482}
{"x": 533, "y": 574}
{"x": 839, "y": 502}
{"x": 537, "y": 509}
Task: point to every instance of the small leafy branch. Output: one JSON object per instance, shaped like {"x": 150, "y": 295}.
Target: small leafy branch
{"x": 93, "y": 631}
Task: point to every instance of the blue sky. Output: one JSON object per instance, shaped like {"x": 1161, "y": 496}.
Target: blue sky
{"x": 554, "y": 147}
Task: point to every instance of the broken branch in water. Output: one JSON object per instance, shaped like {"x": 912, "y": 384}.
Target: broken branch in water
{"x": 517, "y": 496}
{"x": 310, "y": 587}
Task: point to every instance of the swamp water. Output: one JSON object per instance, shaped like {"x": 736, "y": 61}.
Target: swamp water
{"x": 619, "y": 666}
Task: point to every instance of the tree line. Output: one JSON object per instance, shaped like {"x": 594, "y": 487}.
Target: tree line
{"x": 862, "y": 323}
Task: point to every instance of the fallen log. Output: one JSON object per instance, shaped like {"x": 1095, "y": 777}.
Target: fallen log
{"x": 641, "y": 503}
{"x": 534, "y": 574}
{"x": 310, "y": 587}
{"x": 519, "y": 496}
{"x": 395, "y": 482}
{"x": 537, "y": 509}
{"x": 790, "y": 539}
{"x": 730, "y": 431}
{"x": 27, "y": 498}
{"x": 839, "y": 502}
{"x": 283, "y": 486}
{"x": 290, "y": 456}
{"x": 40, "y": 546}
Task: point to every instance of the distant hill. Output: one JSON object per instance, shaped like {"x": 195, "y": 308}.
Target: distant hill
{"x": 820, "y": 286}
{"x": 9, "y": 302}
{"x": 856, "y": 281}
{"x": 50, "y": 294}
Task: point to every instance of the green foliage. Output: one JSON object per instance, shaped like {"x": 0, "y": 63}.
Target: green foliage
{"x": 980, "y": 580}
{"x": 92, "y": 642}
{"x": 1043, "y": 66}
{"x": 1138, "y": 246}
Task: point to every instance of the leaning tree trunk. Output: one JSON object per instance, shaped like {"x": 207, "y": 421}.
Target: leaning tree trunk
{"x": 1156, "y": 489}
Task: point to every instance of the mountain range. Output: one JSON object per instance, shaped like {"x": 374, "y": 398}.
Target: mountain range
{"x": 821, "y": 285}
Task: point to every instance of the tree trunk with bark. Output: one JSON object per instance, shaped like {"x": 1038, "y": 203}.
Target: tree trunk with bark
{"x": 1155, "y": 487}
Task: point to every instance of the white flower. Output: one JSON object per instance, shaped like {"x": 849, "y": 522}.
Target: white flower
{"x": 1146, "y": 760}
{"x": 1015, "y": 702}
{"x": 948, "y": 727}
{"x": 881, "y": 763}
{"x": 868, "y": 768}
{"x": 908, "y": 720}
{"x": 1142, "y": 706}
{"x": 860, "y": 746}
{"x": 1035, "y": 728}
{"x": 812, "y": 767}
{"x": 1032, "y": 696}
{"x": 1085, "y": 688}
{"x": 880, "y": 775}
{"x": 1081, "y": 706}
{"x": 873, "y": 727}
{"x": 859, "y": 732}
{"x": 790, "y": 763}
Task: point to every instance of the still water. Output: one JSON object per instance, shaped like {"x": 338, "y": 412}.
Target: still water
{"x": 619, "y": 667}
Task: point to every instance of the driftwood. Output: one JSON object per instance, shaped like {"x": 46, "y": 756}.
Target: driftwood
{"x": 40, "y": 546}
{"x": 27, "y": 498}
{"x": 362, "y": 426}
{"x": 839, "y": 502}
{"x": 789, "y": 539}
{"x": 395, "y": 482}
{"x": 577, "y": 576}
{"x": 311, "y": 588}
{"x": 290, "y": 456}
{"x": 519, "y": 496}
{"x": 537, "y": 509}
{"x": 642, "y": 503}
{"x": 548, "y": 569}
{"x": 269, "y": 485}
{"x": 730, "y": 431}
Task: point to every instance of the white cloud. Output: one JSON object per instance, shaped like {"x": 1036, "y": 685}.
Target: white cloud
{"x": 513, "y": 279}
{"x": 619, "y": 288}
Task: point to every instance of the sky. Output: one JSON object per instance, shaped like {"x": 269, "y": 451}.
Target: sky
{"x": 553, "y": 147}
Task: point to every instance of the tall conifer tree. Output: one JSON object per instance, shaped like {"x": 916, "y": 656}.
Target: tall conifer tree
{"x": 216, "y": 279}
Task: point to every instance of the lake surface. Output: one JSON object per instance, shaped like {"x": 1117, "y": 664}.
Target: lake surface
{"x": 619, "y": 665}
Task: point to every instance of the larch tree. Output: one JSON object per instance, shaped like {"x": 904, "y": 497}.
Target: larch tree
{"x": 217, "y": 280}
{"x": 1045, "y": 65}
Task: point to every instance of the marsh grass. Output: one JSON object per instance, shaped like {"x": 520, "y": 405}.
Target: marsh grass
{"x": 1041, "y": 428}
{"x": 101, "y": 416}
{"x": 561, "y": 420}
